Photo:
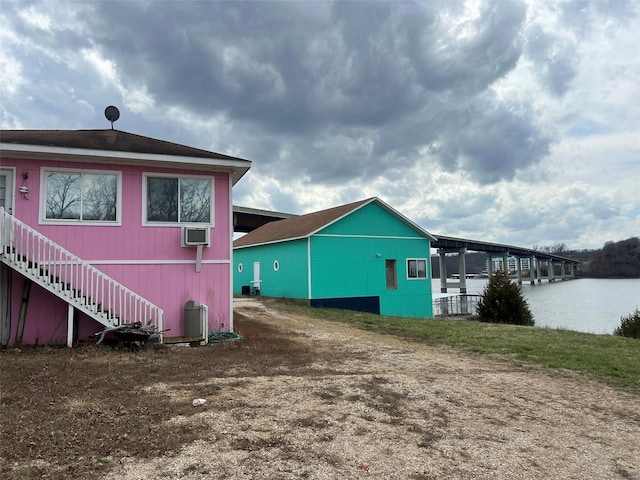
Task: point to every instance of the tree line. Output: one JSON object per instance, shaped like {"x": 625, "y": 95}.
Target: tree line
{"x": 614, "y": 259}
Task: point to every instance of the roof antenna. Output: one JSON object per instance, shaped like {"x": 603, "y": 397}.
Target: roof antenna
{"x": 112, "y": 114}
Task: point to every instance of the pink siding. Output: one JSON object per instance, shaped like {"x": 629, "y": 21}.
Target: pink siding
{"x": 46, "y": 322}
{"x": 148, "y": 260}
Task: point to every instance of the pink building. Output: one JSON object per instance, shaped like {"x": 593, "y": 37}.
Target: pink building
{"x": 103, "y": 227}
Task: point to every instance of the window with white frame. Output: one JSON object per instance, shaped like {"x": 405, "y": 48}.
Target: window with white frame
{"x": 87, "y": 196}
{"x": 177, "y": 199}
{"x": 416, "y": 268}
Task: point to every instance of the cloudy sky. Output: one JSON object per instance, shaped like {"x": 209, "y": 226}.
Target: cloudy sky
{"x": 507, "y": 121}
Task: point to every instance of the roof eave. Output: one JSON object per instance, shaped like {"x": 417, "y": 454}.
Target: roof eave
{"x": 266, "y": 213}
{"x": 271, "y": 242}
{"x": 235, "y": 167}
{"x": 337, "y": 219}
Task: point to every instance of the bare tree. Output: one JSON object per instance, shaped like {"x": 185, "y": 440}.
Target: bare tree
{"x": 82, "y": 196}
{"x": 558, "y": 248}
{"x": 63, "y": 195}
{"x": 195, "y": 200}
{"x": 162, "y": 199}
{"x": 186, "y": 200}
{"x": 100, "y": 197}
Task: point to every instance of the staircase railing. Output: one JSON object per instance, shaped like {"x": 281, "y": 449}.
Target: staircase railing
{"x": 72, "y": 279}
{"x": 456, "y": 305}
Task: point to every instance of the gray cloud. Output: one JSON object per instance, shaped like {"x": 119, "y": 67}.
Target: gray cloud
{"x": 470, "y": 61}
{"x": 345, "y": 99}
{"x": 491, "y": 140}
{"x": 554, "y": 57}
{"x": 464, "y": 206}
{"x": 555, "y": 53}
{"x": 350, "y": 91}
{"x": 580, "y": 15}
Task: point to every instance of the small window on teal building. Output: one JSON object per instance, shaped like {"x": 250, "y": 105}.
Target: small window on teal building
{"x": 416, "y": 268}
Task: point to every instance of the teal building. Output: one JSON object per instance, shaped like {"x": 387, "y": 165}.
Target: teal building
{"x": 362, "y": 256}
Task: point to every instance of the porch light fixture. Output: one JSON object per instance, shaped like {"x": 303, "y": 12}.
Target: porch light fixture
{"x": 24, "y": 189}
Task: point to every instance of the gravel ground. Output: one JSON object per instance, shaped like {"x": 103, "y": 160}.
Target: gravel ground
{"x": 305, "y": 398}
{"x": 382, "y": 407}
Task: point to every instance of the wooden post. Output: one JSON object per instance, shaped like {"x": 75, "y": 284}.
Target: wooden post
{"x": 5, "y": 293}
{"x": 26, "y": 291}
{"x": 70, "y": 315}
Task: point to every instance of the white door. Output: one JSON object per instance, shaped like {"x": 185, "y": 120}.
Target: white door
{"x": 6, "y": 189}
{"x": 256, "y": 277}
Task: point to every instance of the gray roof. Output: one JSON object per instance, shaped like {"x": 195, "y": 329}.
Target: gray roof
{"x": 113, "y": 141}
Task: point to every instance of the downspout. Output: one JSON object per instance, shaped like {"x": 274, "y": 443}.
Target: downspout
{"x": 231, "y": 230}
{"x": 309, "y": 289}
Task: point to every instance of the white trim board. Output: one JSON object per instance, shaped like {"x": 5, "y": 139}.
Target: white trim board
{"x": 392, "y": 237}
{"x": 155, "y": 262}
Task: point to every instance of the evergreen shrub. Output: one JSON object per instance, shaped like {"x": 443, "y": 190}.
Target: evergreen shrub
{"x": 629, "y": 325}
{"x": 502, "y": 302}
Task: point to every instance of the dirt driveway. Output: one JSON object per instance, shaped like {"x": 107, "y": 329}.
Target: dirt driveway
{"x": 362, "y": 405}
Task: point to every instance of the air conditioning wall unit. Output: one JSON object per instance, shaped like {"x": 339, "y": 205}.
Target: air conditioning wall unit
{"x": 194, "y": 236}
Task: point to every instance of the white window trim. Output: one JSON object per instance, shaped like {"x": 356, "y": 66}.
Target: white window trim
{"x": 42, "y": 215}
{"x": 146, "y": 223}
{"x": 426, "y": 266}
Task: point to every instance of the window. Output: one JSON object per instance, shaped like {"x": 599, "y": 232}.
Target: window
{"x": 172, "y": 200}
{"x": 81, "y": 196}
{"x": 416, "y": 268}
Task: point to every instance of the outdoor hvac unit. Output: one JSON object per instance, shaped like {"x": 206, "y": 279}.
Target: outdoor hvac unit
{"x": 195, "y": 236}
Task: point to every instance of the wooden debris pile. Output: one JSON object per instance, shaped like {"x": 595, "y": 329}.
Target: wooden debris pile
{"x": 132, "y": 334}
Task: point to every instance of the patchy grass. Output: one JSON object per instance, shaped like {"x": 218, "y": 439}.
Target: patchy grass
{"x": 610, "y": 359}
{"x": 283, "y": 403}
{"x": 72, "y": 410}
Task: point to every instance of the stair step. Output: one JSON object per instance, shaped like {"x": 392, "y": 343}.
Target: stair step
{"x": 51, "y": 266}
{"x": 82, "y": 302}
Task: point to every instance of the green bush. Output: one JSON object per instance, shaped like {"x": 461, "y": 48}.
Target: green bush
{"x": 502, "y": 302}
{"x": 629, "y": 325}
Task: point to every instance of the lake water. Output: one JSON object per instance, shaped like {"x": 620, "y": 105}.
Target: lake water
{"x": 585, "y": 304}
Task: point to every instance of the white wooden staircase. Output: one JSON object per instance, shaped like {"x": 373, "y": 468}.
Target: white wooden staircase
{"x": 81, "y": 285}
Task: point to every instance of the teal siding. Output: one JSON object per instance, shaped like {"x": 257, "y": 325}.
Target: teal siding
{"x": 347, "y": 261}
{"x": 291, "y": 279}
{"x": 350, "y": 267}
{"x": 371, "y": 220}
